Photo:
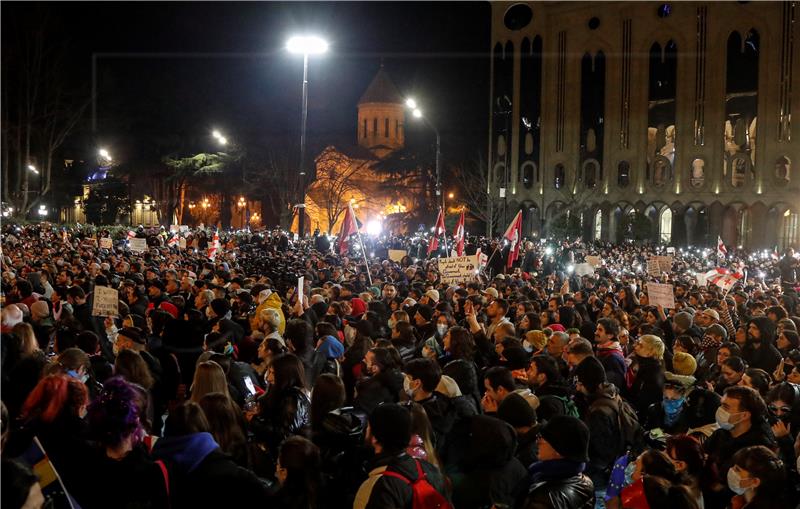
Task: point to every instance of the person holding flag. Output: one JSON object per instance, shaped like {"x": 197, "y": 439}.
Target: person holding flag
{"x": 214, "y": 248}
{"x": 722, "y": 251}
{"x": 458, "y": 235}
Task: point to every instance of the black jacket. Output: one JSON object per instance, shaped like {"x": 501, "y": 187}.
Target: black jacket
{"x": 648, "y": 386}
{"x": 465, "y": 374}
{"x": 382, "y": 388}
{"x": 574, "y": 492}
{"x": 766, "y": 357}
{"x": 287, "y": 415}
{"x": 606, "y": 443}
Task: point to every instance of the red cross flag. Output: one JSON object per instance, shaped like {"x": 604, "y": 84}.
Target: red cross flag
{"x": 514, "y": 235}
{"x": 437, "y": 230}
{"x": 722, "y": 251}
{"x": 458, "y": 236}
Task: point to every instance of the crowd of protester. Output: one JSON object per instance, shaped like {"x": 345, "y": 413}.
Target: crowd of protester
{"x": 221, "y": 383}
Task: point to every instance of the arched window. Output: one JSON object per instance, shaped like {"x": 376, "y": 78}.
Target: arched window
{"x": 783, "y": 170}
{"x": 528, "y": 170}
{"x": 665, "y": 228}
{"x": 397, "y": 128}
{"x": 559, "y": 176}
{"x": 386, "y": 128}
{"x": 365, "y": 128}
{"x": 598, "y": 225}
{"x": 375, "y": 127}
{"x": 788, "y": 234}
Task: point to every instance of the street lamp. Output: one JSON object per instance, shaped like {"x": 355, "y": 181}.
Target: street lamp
{"x": 222, "y": 140}
{"x": 33, "y": 169}
{"x": 417, "y": 113}
{"x": 104, "y": 154}
{"x": 305, "y": 45}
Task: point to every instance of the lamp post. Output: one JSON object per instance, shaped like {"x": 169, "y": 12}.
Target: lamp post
{"x": 305, "y": 45}
{"x": 417, "y": 113}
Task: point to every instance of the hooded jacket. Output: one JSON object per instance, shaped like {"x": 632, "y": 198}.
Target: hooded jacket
{"x": 613, "y": 360}
{"x": 274, "y": 302}
{"x": 606, "y": 441}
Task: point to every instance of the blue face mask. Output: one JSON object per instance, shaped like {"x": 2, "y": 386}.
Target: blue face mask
{"x": 673, "y": 406}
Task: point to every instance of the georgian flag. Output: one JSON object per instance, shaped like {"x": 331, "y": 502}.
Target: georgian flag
{"x": 458, "y": 236}
{"x": 437, "y": 230}
{"x": 131, "y": 234}
{"x": 514, "y": 235}
{"x": 214, "y": 249}
{"x": 722, "y": 251}
{"x": 173, "y": 241}
{"x": 723, "y": 278}
{"x": 349, "y": 227}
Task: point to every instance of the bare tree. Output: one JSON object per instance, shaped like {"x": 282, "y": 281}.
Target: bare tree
{"x": 280, "y": 184}
{"x": 482, "y": 200}
{"x": 340, "y": 178}
{"x": 39, "y": 112}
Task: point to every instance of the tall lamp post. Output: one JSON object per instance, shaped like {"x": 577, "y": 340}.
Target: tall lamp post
{"x": 417, "y": 113}
{"x": 304, "y": 45}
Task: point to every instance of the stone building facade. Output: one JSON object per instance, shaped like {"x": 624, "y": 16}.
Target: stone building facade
{"x": 679, "y": 111}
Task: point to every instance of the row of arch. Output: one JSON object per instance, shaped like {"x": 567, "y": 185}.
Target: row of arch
{"x": 753, "y": 226}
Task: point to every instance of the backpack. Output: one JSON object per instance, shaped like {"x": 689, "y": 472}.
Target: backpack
{"x": 569, "y": 406}
{"x": 425, "y": 495}
{"x": 630, "y": 429}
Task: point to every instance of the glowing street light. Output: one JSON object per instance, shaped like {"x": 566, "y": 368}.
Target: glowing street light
{"x": 304, "y": 45}
{"x": 411, "y": 103}
{"x": 417, "y": 113}
{"x": 33, "y": 169}
{"x": 104, "y": 154}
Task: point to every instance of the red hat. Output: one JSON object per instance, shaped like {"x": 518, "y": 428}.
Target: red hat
{"x": 359, "y": 306}
{"x": 169, "y": 308}
{"x": 557, "y": 327}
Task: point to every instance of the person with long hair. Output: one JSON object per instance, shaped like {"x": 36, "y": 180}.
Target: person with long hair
{"x": 758, "y": 478}
{"x": 759, "y": 350}
{"x": 298, "y": 474}
{"x": 130, "y": 366}
{"x": 459, "y": 363}
{"x": 421, "y": 445}
{"x": 120, "y": 469}
{"x": 327, "y": 395}
{"x": 208, "y": 377}
{"x": 227, "y": 425}
{"x": 686, "y": 454}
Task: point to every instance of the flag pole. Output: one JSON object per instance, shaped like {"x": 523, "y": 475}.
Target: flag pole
{"x": 444, "y": 235}
{"x": 364, "y": 253}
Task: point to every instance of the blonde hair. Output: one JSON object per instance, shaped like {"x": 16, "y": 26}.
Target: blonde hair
{"x": 653, "y": 345}
{"x": 536, "y": 338}
{"x": 27, "y": 339}
{"x": 208, "y": 377}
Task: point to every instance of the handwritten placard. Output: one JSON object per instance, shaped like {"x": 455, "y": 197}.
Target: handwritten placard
{"x": 583, "y": 269}
{"x": 182, "y": 243}
{"x": 661, "y": 295}
{"x": 105, "y": 301}
{"x": 138, "y": 245}
{"x": 459, "y": 269}
{"x": 656, "y": 265}
{"x": 106, "y": 243}
{"x": 593, "y": 260}
{"x": 397, "y": 255}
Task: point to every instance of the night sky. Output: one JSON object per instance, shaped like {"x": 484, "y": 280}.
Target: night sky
{"x": 170, "y": 72}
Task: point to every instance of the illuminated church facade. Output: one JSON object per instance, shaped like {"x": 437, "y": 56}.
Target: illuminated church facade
{"x": 347, "y": 175}
{"x": 680, "y": 112}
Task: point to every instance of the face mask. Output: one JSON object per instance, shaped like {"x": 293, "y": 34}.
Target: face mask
{"x": 441, "y": 329}
{"x": 407, "y": 387}
{"x": 527, "y": 346}
{"x": 74, "y": 374}
{"x": 349, "y": 333}
{"x": 723, "y": 419}
{"x": 735, "y": 482}
{"x": 673, "y": 406}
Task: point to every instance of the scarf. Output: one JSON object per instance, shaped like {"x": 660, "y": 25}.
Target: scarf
{"x": 709, "y": 342}
{"x": 543, "y": 471}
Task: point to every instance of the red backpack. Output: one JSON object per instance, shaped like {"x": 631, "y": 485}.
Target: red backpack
{"x": 425, "y": 495}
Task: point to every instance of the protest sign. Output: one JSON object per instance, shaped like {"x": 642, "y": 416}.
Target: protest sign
{"x": 670, "y": 250}
{"x": 138, "y": 245}
{"x": 301, "y": 286}
{"x": 459, "y": 269}
{"x": 173, "y": 228}
{"x": 396, "y": 255}
{"x": 661, "y": 295}
{"x": 656, "y": 265}
{"x": 106, "y": 243}
{"x": 583, "y": 269}
{"x": 105, "y": 301}
{"x": 594, "y": 261}
{"x": 183, "y": 228}
{"x": 182, "y": 243}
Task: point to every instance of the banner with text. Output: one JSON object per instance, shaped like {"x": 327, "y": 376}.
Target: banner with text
{"x": 396, "y": 255}
{"x": 460, "y": 269}
{"x": 105, "y": 301}
{"x": 661, "y": 295}
{"x": 138, "y": 245}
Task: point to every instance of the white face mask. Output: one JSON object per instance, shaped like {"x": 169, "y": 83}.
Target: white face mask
{"x": 441, "y": 329}
{"x": 735, "y": 482}
{"x": 349, "y": 333}
{"x": 723, "y": 418}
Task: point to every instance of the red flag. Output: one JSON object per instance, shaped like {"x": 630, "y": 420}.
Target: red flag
{"x": 131, "y": 234}
{"x": 349, "y": 227}
{"x": 214, "y": 248}
{"x": 437, "y": 230}
{"x": 173, "y": 241}
{"x": 514, "y": 235}
{"x": 722, "y": 251}
{"x": 458, "y": 236}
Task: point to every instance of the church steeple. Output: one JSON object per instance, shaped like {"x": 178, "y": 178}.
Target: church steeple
{"x": 381, "y": 115}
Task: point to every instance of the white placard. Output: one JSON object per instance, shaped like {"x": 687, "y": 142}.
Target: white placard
{"x": 583, "y": 269}
{"x": 656, "y": 265}
{"x": 106, "y": 243}
{"x": 661, "y": 295}
{"x": 593, "y": 260}
{"x": 138, "y": 245}
{"x": 183, "y": 228}
{"x": 301, "y": 288}
{"x": 105, "y": 301}
{"x": 459, "y": 269}
{"x": 182, "y": 243}
{"x": 670, "y": 250}
{"x": 173, "y": 228}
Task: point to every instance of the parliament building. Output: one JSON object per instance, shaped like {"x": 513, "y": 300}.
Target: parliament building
{"x": 679, "y": 112}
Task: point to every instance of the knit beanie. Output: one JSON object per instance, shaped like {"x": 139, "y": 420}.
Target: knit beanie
{"x": 683, "y": 364}
{"x": 717, "y": 330}
{"x": 590, "y": 373}
{"x": 516, "y": 411}
{"x": 569, "y": 436}
{"x": 683, "y": 320}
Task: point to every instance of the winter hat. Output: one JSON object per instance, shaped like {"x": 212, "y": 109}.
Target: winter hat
{"x": 557, "y": 327}
{"x": 433, "y": 295}
{"x": 590, "y": 373}
{"x": 358, "y": 306}
{"x": 718, "y": 331}
{"x": 449, "y": 387}
{"x": 39, "y": 310}
{"x": 711, "y": 313}
{"x": 491, "y": 291}
{"x": 569, "y": 436}
{"x": 220, "y": 307}
{"x": 134, "y": 334}
{"x": 425, "y": 311}
{"x": 170, "y": 308}
{"x": 516, "y": 411}
{"x": 683, "y": 364}
{"x": 331, "y": 347}
{"x": 683, "y": 320}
